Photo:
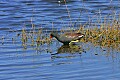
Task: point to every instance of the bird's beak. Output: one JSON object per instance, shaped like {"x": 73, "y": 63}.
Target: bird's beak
{"x": 51, "y": 37}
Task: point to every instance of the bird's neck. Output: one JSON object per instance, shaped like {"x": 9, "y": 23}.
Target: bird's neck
{"x": 57, "y": 36}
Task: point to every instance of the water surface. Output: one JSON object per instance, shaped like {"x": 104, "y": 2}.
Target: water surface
{"x": 83, "y": 61}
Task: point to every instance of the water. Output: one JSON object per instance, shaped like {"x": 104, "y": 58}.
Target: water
{"x": 51, "y": 62}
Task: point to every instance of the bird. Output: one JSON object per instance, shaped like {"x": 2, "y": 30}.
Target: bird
{"x": 67, "y": 38}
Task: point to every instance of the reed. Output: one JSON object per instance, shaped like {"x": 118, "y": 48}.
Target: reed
{"x": 24, "y": 38}
{"x": 108, "y": 35}
{"x": 32, "y": 38}
{"x": 105, "y": 35}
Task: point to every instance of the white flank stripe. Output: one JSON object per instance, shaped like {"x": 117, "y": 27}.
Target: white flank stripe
{"x": 80, "y": 36}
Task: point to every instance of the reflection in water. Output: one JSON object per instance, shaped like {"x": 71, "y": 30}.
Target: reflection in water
{"x": 68, "y": 51}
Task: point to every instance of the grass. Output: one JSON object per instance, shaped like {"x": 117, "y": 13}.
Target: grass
{"x": 33, "y": 38}
{"x": 107, "y": 35}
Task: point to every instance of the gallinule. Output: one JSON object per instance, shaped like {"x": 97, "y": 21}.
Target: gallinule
{"x": 66, "y": 38}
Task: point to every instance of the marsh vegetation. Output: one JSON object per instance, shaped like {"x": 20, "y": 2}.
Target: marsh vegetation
{"x": 106, "y": 34}
{"x": 27, "y": 52}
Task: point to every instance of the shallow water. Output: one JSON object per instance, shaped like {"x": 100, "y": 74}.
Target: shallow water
{"x": 54, "y": 61}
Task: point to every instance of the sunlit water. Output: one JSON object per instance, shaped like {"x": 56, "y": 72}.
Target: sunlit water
{"x": 83, "y": 61}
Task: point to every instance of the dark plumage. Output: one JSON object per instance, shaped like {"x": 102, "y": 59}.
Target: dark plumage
{"x": 66, "y": 38}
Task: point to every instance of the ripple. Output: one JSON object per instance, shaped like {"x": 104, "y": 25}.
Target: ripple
{"x": 33, "y": 64}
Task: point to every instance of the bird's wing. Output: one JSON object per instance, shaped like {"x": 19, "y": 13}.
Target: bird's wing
{"x": 73, "y": 36}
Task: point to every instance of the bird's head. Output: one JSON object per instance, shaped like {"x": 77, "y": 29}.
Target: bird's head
{"x": 53, "y": 34}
